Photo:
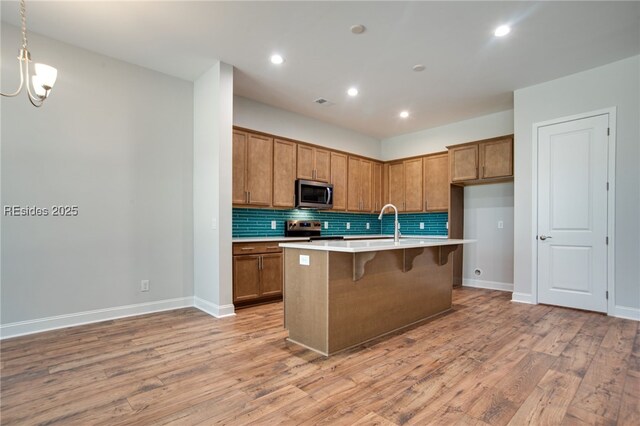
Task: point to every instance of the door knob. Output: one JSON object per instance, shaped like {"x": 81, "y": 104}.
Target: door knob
{"x": 544, "y": 237}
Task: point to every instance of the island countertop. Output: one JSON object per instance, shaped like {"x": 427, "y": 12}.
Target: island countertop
{"x": 373, "y": 245}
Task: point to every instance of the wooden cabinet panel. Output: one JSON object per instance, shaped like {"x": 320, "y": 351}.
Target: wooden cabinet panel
{"x": 464, "y": 163}
{"x": 314, "y": 163}
{"x": 353, "y": 192}
{"x": 323, "y": 165}
{"x": 396, "y": 185}
{"x": 305, "y": 164}
{"x": 360, "y": 181}
{"x": 413, "y": 185}
{"x": 271, "y": 275}
{"x": 284, "y": 173}
{"x": 239, "y": 192}
{"x": 496, "y": 158}
{"x": 259, "y": 169}
{"x": 436, "y": 182}
{"x": 246, "y": 278}
{"x": 366, "y": 176}
{"x": 377, "y": 186}
{"x": 339, "y": 180}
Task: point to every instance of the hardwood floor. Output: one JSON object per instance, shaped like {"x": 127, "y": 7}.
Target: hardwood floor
{"x": 489, "y": 361}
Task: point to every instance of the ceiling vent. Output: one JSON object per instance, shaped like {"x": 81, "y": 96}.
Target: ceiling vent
{"x": 323, "y": 101}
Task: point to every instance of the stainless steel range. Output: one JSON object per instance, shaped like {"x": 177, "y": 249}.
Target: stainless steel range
{"x": 307, "y": 228}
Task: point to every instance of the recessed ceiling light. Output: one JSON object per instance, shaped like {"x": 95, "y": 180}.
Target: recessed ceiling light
{"x": 404, "y": 114}
{"x": 358, "y": 29}
{"x": 418, "y": 67}
{"x": 352, "y": 91}
{"x": 502, "y": 31}
{"x": 277, "y": 59}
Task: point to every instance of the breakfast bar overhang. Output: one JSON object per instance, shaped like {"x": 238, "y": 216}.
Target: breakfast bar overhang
{"x": 339, "y": 294}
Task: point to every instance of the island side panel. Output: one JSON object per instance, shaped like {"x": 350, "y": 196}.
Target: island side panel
{"x": 306, "y": 298}
{"x": 385, "y": 299}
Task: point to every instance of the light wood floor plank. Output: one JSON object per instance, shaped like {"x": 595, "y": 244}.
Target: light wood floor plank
{"x": 487, "y": 362}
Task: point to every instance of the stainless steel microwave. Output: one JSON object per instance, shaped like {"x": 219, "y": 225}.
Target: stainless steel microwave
{"x": 313, "y": 195}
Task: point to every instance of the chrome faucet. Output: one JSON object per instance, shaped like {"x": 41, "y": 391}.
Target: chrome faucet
{"x": 396, "y": 228}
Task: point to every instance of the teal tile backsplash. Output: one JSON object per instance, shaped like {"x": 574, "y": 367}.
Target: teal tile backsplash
{"x": 257, "y": 222}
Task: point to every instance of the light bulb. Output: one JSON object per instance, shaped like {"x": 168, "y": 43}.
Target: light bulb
{"x": 37, "y": 86}
{"x": 404, "y": 114}
{"x": 277, "y": 59}
{"x": 502, "y": 31}
{"x": 47, "y": 75}
{"x": 352, "y": 91}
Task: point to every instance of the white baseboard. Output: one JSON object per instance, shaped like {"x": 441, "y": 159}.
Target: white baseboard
{"x": 490, "y": 285}
{"x": 522, "y": 298}
{"x": 218, "y": 311}
{"x": 625, "y": 312}
{"x": 22, "y": 328}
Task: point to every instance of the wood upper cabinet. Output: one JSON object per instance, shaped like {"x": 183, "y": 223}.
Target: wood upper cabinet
{"x": 360, "y": 179}
{"x": 377, "y": 195}
{"x": 413, "y": 185}
{"x": 405, "y": 185}
{"x": 496, "y": 158}
{"x": 339, "y": 180}
{"x": 436, "y": 182}
{"x": 482, "y": 161}
{"x": 464, "y": 163}
{"x": 252, "y": 169}
{"x": 313, "y": 163}
{"x": 396, "y": 185}
{"x": 284, "y": 173}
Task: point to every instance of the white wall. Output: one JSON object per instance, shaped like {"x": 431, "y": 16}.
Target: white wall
{"x": 484, "y": 207}
{"x": 437, "y": 138}
{"x": 616, "y": 84}
{"x": 116, "y": 140}
{"x": 258, "y": 116}
{"x": 212, "y": 173}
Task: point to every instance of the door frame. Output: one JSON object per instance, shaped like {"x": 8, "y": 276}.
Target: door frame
{"x": 611, "y": 197}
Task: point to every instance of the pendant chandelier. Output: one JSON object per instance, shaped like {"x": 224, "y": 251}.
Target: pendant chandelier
{"x": 45, "y": 76}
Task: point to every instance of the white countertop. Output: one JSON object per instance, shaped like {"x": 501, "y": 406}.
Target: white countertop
{"x": 346, "y": 237}
{"x": 373, "y": 245}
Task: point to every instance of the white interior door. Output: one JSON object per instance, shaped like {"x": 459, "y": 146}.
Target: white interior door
{"x": 572, "y": 213}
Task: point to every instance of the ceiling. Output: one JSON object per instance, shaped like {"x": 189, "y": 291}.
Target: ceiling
{"x": 468, "y": 71}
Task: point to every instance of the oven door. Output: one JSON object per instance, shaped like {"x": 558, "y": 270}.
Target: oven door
{"x": 313, "y": 195}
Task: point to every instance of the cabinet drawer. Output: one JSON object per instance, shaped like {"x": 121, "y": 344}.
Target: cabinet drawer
{"x": 253, "y": 248}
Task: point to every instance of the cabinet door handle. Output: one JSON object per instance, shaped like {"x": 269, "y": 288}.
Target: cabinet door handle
{"x": 248, "y": 248}
{"x": 249, "y": 197}
{"x": 425, "y": 204}
{"x": 272, "y": 247}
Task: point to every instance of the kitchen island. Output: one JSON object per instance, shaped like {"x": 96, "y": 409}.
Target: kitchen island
{"x": 339, "y": 294}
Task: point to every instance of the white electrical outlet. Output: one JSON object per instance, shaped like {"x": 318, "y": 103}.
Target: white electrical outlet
{"x": 326, "y": 225}
{"x": 304, "y": 259}
{"x": 500, "y": 224}
{"x": 399, "y": 225}
{"x": 144, "y": 285}
{"x": 421, "y": 225}
{"x": 273, "y": 224}
{"x": 368, "y": 225}
{"x": 447, "y": 225}
{"x": 214, "y": 223}
{"x": 348, "y": 225}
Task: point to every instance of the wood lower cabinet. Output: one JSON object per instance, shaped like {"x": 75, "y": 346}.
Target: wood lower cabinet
{"x": 257, "y": 273}
{"x": 483, "y": 161}
{"x": 284, "y": 173}
{"x": 313, "y": 163}
{"x": 339, "y": 180}
{"x": 436, "y": 182}
{"x": 252, "y": 169}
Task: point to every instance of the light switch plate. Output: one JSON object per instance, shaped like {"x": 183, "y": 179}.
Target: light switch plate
{"x": 368, "y": 225}
{"x": 273, "y": 224}
{"x": 500, "y": 224}
{"x": 326, "y": 225}
{"x": 304, "y": 259}
{"x": 214, "y": 223}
